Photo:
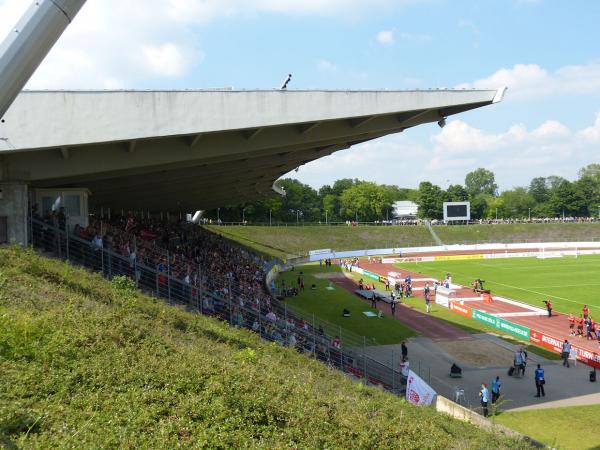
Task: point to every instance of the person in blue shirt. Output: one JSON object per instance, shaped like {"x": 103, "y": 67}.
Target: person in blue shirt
{"x": 540, "y": 380}
{"x": 496, "y": 384}
{"x": 484, "y": 397}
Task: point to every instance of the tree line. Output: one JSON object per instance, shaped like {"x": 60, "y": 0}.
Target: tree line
{"x": 365, "y": 201}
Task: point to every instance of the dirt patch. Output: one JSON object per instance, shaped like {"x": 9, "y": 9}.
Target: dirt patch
{"x": 329, "y": 275}
{"x": 477, "y": 353}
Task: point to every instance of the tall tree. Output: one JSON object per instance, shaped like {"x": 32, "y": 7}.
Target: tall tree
{"x": 456, "y": 193}
{"x": 367, "y": 201}
{"x": 517, "y": 203}
{"x": 431, "y": 199}
{"x": 481, "y": 181}
{"x": 538, "y": 189}
{"x": 592, "y": 171}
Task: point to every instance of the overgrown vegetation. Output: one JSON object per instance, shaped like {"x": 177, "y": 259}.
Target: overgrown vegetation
{"x": 85, "y": 363}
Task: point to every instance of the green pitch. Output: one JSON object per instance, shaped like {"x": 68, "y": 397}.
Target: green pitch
{"x": 569, "y": 282}
{"x": 327, "y": 305}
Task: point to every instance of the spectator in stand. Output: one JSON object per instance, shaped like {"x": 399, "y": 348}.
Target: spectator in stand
{"x": 336, "y": 343}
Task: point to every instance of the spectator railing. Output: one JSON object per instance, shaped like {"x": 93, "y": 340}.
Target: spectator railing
{"x": 290, "y": 327}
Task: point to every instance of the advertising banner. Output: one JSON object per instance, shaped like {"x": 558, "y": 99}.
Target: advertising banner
{"x": 555, "y": 345}
{"x": 520, "y": 331}
{"x": 457, "y": 257}
{"x": 371, "y": 275}
{"x": 417, "y": 391}
{"x": 461, "y": 309}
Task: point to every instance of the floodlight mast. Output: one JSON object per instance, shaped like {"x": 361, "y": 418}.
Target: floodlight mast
{"x": 29, "y": 42}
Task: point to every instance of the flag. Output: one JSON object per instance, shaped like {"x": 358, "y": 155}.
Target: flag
{"x": 417, "y": 391}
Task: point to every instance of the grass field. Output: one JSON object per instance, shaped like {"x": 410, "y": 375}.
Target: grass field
{"x": 86, "y": 363}
{"x": 328, "y": 304}
{"x": 298, "y": 240}
{"x": 570, "y": 282}
{"x": 563, "y": 428}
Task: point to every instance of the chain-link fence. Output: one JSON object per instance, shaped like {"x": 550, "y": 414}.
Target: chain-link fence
{"x": 274, "y": 320}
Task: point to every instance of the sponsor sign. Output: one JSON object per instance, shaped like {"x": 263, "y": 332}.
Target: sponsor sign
{"x": 515, "y": 329}
{"x": 320, "y": 251}
{"x": 417, "y": 391}
{"x": 457, "y": 257}
{"x": 371, "y": 275}
{"x": 554, "y": 344}
{"x": 543, "y": 340}
{"x": 461, "y": 309}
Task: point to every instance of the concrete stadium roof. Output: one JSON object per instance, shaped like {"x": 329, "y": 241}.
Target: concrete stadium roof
{"x": 199, "y": 149}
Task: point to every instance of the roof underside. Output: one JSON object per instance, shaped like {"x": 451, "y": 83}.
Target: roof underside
{"x": 190, "y": 150}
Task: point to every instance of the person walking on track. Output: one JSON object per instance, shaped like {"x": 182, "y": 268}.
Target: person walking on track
{"x": 540, "y": 380}
{"x": 393, "y": 307}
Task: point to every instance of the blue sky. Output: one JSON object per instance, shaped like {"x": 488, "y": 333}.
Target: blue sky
{"x": 545, "y": 51}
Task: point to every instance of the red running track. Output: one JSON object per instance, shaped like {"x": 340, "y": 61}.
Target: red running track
{"x": 556, "y": 326}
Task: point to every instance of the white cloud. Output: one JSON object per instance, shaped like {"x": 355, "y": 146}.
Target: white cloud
{"x": 516, "y": 155}
{"x": 527, "y": 81}
{"x": 130, "y": 43}
{"x": 591, "y": 134}
{"x": 385, "y": 37}
{"x": 324, "y": 65}
{"x": 165, "y": 60}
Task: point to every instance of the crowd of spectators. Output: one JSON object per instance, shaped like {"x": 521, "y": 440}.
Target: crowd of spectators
{"x": 200, "y": 269}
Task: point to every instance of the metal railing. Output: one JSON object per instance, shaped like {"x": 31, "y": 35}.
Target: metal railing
{"x": 273, "y": 320}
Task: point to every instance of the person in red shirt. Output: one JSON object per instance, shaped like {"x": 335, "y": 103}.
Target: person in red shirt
{"x": 572, "y": 324}
{"x": 548, "y": 307}
{"x": 580, "y": 322}
{"x": 586, "y": 311}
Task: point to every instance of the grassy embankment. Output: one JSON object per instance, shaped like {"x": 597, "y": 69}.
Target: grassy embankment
{"x": 89, "y": 364}
{"x": 564, "y": 428}
{"x": 534, "y": 232}
{"x": 328, "y": 305}
{"x": 298, "y": 240}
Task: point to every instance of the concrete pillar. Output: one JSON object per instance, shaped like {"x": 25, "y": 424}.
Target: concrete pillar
{"x": 13, "y": 212}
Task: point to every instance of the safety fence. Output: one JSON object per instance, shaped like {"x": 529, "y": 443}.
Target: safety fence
{"x": 273, "y": 320}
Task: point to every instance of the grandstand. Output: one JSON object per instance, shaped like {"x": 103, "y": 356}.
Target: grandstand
{"x": 188, "y": 266}
{"x": 181, "y": 151}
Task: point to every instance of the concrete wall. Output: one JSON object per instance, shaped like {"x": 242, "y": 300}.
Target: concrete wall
{"x": 13, "y": 205}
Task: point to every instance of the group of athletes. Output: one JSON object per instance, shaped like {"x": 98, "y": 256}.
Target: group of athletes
{"x": 584, "y": 325}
